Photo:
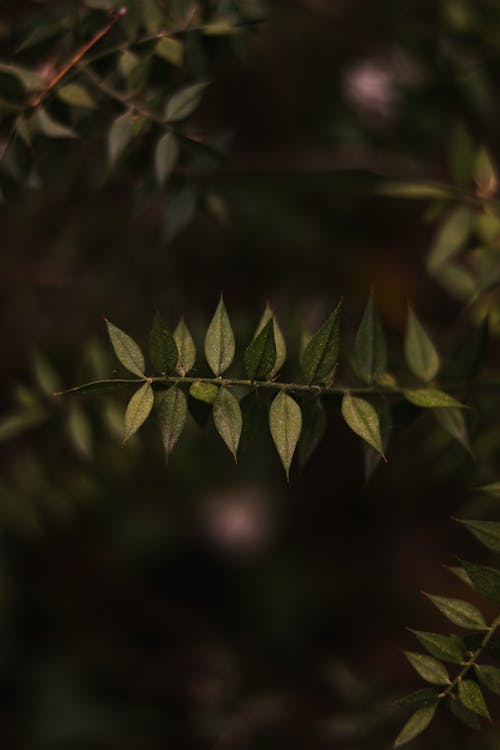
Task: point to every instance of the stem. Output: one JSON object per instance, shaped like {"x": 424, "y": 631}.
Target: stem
{"x": 472, "y": 662}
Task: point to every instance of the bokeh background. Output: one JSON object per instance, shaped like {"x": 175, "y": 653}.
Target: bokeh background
{"x": 203, "y": 604}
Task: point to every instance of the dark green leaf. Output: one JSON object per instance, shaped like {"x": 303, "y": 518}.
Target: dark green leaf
{"x": 431, "y": 398}
{"x": 138, "y": 410}
{"x": 184, "y": 102}
{"x": 489, "y": 677}
{"x": 485, "y": 580}
{"x": 416, "y": 724}
{"x": 50, "y": 127}
{"x": 162, "y": 347}
{"x": 206, "y": 392}
{"x": 314, "y": 425}
{"x": 185, "y": 347}
{"x": 471, "y": 697}
{"x": 419, "y": 698}
{"x": 362, "y": 418}
{"x": 463, "y": 714}
{"x": 219, "y": 341}
{"x": 371, "y": 456}
{"x": 76, "y": 95}
{"x": 429, "y": 668}
{"x": 119, "y": 136}
{"x": 370, "y": 346}
{"x": 285, "y": 421}
{"x": 278, "y": 339}
{"x": 228, "y": 419}
{"x": 260, "y": 355}
{"x": 421, "y": 355}
{"x": 460, "y": 613}
{"x": 488, "y": 532}
{"x": 166, "y": 154}
{"x": 172, "y": 412}
{"x": 453, "y": 422}
{"x": 319, "y": 360}
{"x": 126, "y": 350}
{"x": 441, "y": 646}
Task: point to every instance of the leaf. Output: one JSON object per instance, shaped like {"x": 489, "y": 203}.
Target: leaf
{"x": 153, "y": 16}
{"x": 463, "y": 714}
{"x": 79, "y": 431}
{"x": 460, "y": 613}
{"x": 413, "y": 190}
{"x": 260, "y": 355}
{"x": 206, "y": 392}
{"x": 76, "y": 95}
{"x": 488, "y": 532}
{"x": 185, "y": 347}
{"x": 441, "y": 646}
{"x": 50, "y": 127}
{"x": 453, "y": 422}
{"x": 119, "y": 136}
{"x": 219, "y": 341}
{"x": 371, "y": 456}
{"x": 485, "y": 580}
{"x": 451, "y": 237}
{"x": 184, "y": 102}
{"x": 285, "y": 422}
{"x": 126, "y": 350}
{"x": 362, "y": 418}
{"x": 46, "y": 376}
{"x": 489, "y": 677}
{"x": 471, "y": 697}
{"x": 228, "y": 419}
{"x": 166, "y": 154}
{"x": 428, "y": 668}
{"x": 319, "y": 359}
{"x": 416, "y": 724}
{"x": 162, "y": 347}
{"x": 419, "y": 698}
{"x": 138, "y": 410}
{"x": 172, "y": 413}
{"x": 278, "y": 339}
{"x": 430, "y": 398}
{"x": 370, "y": 347}
{"x": 29, "y": 80}
{"x": 314, "y": 423}
{"x": 421, "y": 356}
{"x": 460, "y": 155}
{"x": 485, "y": 173}
{"x": 459, "y": 573}
{"x": 171, "y": 50}
{"x": 23, "y": 129}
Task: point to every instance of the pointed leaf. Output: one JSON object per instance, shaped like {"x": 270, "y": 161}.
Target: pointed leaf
{"x": 314, "y": 423}
{"x": 419, "y": 698}
{"x": 138, "y": 410}
{"x": 278, "y": 340}
{"x": 162, "y": 347}
{"x": 80, "y": 431}
{"x": 488, "y": 532}
{"x": 431, "y": 398}
{"x": 50, "y": 127}
{"x": 285, "y": 421}
{"x": 471, "y": 697}
{"x": 171, "y": 50}
{"x": 429, "y": 668}
{"x": 119, "y": 136}
{"x": 260, "y": 355}
{"x": 228, "y": 419}
{"x": 126, "y": 350}
{"x": 441, "y": 646}
{"x": 166, "y": 154}
{"x": 76, "y": 95}
{"x": 184, "y": 102}
{"x": 492, "y": 489}
{"x": 172, "y": 412}
{"x": 453, "y": 422}
{"x": 185, "y": 347}
{"x": 463, "y": 714}
{"x": 205, "y": 392}
{"x": 370, "y": 346}
{"x": 319, "y": 360}
{"x": 421, "y": 355}
{"x": 416, "y": 724}
{"x": 451, "y": 237}
{"x": 485, "y": 580}
{"x": 459, "y": 573}
{"x": 489, "y": 677}
{"x": 219, "y": 341}
{"x": 371, "y": 456}
{"x": 30, "y": 81}
{"x": 460, "y": 613}
{"x": 362, "y": 418}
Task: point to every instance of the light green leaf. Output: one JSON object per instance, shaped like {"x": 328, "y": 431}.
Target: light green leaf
{"x": 441, "y": 646}
{"x": 219, "y": 341}
{"x": 429, "y": 668}
{"x": 485, "y": 580}
{"x": 172, "y": 413}
{"x": 421, "y": 355}
{"x": 460, "y": 613}
{"x": 413, "y": 190}
{"x": 488, "y": 532}
{"x": 153, "y": 15}
{"x": 46, "y": 376}
{"x": 430, "y": 398}
{"x": 166, "y": 154}
{"x": 459, "y": 573}
{"x": 119, "y": 136}
{"x": 50, "y": 127}
{"x": 453, "y": 422}
{"x": 489, "y": 677}
{"x": 171, "y": 50}
{"x": 80, "y": 431}
{"x": 206, "y": 392}
{"x": 260, "y": 355}
{"x": 416, "y": 724}
{"x": 370, "y": 347}
{"x": 319, "y": 359}
{"x": 463, "y": 714}
{"x": 29, "y": 80}
{"x": 185, "y": 347}
{"x": 23, "y": 129}
{"x": 162, "y": 347}
{"x": 126, "y": 350}
{"x": 363, "y": 419}
{"x": 285, "y": 421}
{"x": 471, "y": 697}
{"x": 228, "y": 419}
{"x": 76, "y": 95}
{"x": 278, "y": 339}
{"x": 314, "y": 423}
{"x": 138, "y": 410}
{"x": 451, "y": 237}
{"x": 184, "y": 102}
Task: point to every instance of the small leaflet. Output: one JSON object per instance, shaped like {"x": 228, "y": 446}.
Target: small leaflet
{"x": 285, "y": 421}
{"x": 421, "y": 355}
{"x": 126, "y": 350}
{"x": 228, "y": 419}
{"x": 138, "y": 410}
{"x": 172, "y": 412}
{"x": 219, "y": 341}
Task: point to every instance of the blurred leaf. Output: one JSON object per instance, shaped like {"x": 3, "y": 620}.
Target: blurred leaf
{"x": 260, "y": 354}
{"x": 485, "y": 173}
{"x": 184, "y": 102}
{"x": 441, "y": 646}
{"x": 166, "y": 154}
{"x": 492, "y": 489}
{"x": 15, "y": 424}
{"x": 460, "y": 613}
{"x": 185, "y": 347}
{"x": 162, "y": 347}
{"x": 416, "y": 724}
{"x": 413, "y": 190}
{"x": 488, "y": 532}
{"x": 314, "y": 423}
{"x": 362, "y": 418}
{"x": 278, "y": 339}
{"x": 471, "y": 697}
{"x": 138, "y": 410}
{"x": 119, "y": 136}
{"x": 206, "y": 392}
{"x": 172, "y": 413}
{"x": 370, "y": 346}
{"x": 419, "y": 698}
{"x": 429, "y": 668}
{"x": 76, "y": 95}
{"x": 285, "y": 421}
{"x": 460, "y": 155}
{"x": 50, "y": 127}
{"x": 30, "y": 81}
{"x": 421, "y": 356}
{"x": 453, "y": 422}
{"x": 319, "y": 359}
{"x": 485, "y": 580}
{"x": 228, "y": 419}
{"x": 459, "y": 573}
{"x": 171, "y": 50}
{"x": 126, "y": 350}
{"x": 80, "y": 432}
{"x": 429, "y": 398}
{"x": 153, "y": 15}
{"x": 450, "y": 238}
{"x": 219, "y": 341}
{"x": 489, "y": 677}
{"x": 469, "y": 718}
{"x": 46, "y": 376}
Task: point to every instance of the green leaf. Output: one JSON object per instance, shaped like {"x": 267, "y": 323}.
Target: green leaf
{"x": 46, "y": 376}
{"x": 184, "y": 102}
{"x": 485, "y": 580}
{"x": 451, "y": 237}
{"x": 162, "y": 347}
{"x": 260, "y": 355}
{"x": 441, "y": 646}
{"x": 370, "y": 347}
{"x": 314, "y": 423}
{"x": 23, "y": 129}
{"x": 219, "y": 341}
{"x": 285, "y": 421}
{"x": 489, "y": 677}
{"x": 228, "y": 419}
{"x": 185, "y": 347}
{"x": 171, "y": 50}
{"x": 463, "y": 714}
{"x": 29, "y": 80}
{"x": 126, "y": 350}
{"x": 416, "y": 724}
{"x": 138, "y": 410}
{"x": 166, "y": 154}
{"x": 485, "y": 173}
{"x": 488, "y": 532}
{"x": 471, "y": 697}
{"x": 153, "y": 15}
{"x": 50, "y": 127}
{"x": 319, "y": 360}
{"x": 363, "y": 419}
{"x": 460, "y": 613}
{"x": 453, "y": 422}
{"x": 428, "y": 668}
{"x": 80, "y": 432}
{"x": 76, "y": 95}
{"x": 278, "y": 339}
{"x": 419, "y": 698}
{"x": 421, "y": 355}
{"x": 459, "y": 573}
{"x": 119, "y": 136}
{"x": 206, "y": 392}
{"x": 492, "y": 489}
{"x": 413, "y": 190}
{"x": 172, "y": 413}
{"x": 430, "y": 398}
